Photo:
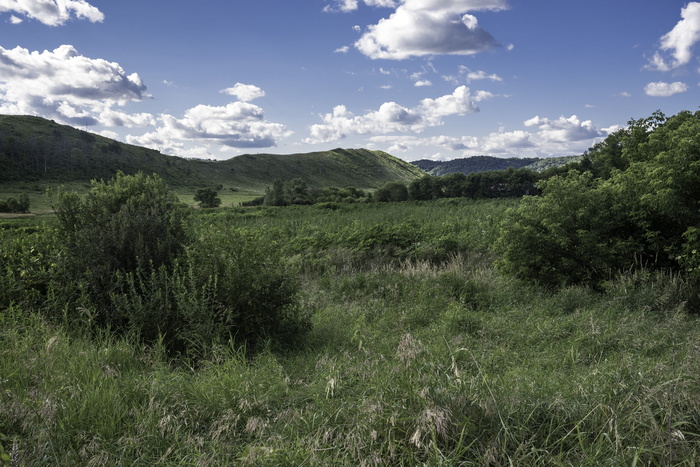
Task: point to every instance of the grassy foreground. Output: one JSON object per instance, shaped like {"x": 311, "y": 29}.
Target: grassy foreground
{"x": 421, "y": 354}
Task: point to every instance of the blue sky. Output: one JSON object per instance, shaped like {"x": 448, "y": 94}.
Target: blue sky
{"x": 434, "y": 79}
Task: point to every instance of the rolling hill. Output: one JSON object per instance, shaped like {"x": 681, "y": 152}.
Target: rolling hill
{"x": 33, "y": 149}
{"x": 487, "y": 163}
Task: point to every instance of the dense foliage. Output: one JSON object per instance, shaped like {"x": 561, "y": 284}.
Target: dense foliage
{"x": 207, "y": 198}
{"x": 509, "y": 183}
{"x": 633, "y": 202}
{"x": 473, "y": 164}
{"x": 15, "y": 205}
{"x": 126, "y": 258}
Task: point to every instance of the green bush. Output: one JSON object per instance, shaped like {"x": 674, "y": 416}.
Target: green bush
{"x": 638, "y": 207}
{"x": 132, "y": 265}
{"x": 392, "y": 192}
{"x": 125, "y": 225}
{"x": 15, "y": 205}
{"x": 255, "y": 295}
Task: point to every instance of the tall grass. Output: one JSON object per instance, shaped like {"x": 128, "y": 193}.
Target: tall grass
{"x": 413, "y": 359}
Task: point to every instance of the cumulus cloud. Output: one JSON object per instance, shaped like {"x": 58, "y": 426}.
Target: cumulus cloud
{"x": 68, "y": 87}
{"x": 544, "y": 137}
{"x": 564, "y": 129}
{"x": 238, "y": 124}
{"x": 51, "y": 12}
{"x": 244, "y": 92}
{"x": 429, "y": 27}
{"x": 678, "y": 42}
{"x": 662, "y": 89}
{"x": 392, "y": 117}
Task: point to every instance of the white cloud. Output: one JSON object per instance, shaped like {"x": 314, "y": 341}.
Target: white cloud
{"x": 346, "y": 6}
{"x": 480, "y": 74}
{"x": 15, "y": 20}
{"x": 66, "y": 86}
{"x": 429, "y": 27}
{"x": 562, "y": 136}
{"x": 342, "y": 50}
{"x": 392, "y": 117}
{"x": 465, "y": 74}
{"x": 662, "y": 89}
{"x": 679, "y": 41}
{"x": 244, "y": 92}
{"x": 506, "y": 141}
{"x": 52, "y": 12}
{"x": 238, "y": 124}
{"x": 423, "y": 82}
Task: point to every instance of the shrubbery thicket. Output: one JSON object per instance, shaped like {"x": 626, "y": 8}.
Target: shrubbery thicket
{"x": 632, "y": 203}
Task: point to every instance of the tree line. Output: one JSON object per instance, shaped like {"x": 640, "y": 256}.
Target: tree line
{"x": 507, "y": 183}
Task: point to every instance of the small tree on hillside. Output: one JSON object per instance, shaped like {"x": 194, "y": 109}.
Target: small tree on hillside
{"x": 207, "y": 198}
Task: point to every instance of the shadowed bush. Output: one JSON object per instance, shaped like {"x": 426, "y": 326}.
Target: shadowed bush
{"x": 132, "y": 265}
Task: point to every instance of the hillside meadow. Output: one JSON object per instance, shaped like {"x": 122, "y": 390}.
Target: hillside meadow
{"x": 419, "y": 352}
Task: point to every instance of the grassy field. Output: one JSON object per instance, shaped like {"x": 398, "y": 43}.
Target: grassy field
{"x": 41, "y": 203}
{"x": 421, "y": 353}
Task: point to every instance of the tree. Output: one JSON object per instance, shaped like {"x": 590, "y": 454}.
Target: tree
{"x": 423, "y": 189}
{"x": 297, "y": 191}
{"x": 274, "y": 195}
{"x": 207, "y": 198}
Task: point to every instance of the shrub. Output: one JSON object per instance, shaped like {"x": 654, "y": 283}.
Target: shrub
{"x": 255, "y": 295}
{"x": 126, "y": 225}
{"x": 642, "y": 209}
{"x": 392, "y": 192}
{"x": 15, "y": 205}
{"x": 133, "y": 265}
{"x": 207, "y": 198}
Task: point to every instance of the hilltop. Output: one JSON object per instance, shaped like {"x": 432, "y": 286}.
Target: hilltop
{"x": 35, "y": 149}
{"x": 488, "y": 163}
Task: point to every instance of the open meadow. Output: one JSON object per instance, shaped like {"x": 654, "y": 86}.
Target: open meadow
{"x": 420, "y": 353}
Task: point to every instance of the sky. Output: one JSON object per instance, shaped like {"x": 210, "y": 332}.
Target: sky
{"x": 419, "y": 79}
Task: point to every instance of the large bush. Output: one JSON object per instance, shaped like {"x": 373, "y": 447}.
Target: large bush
{"x": 132, "y": 263}
{"x": 122, "y": 226}
{"x": 638, "y": 207}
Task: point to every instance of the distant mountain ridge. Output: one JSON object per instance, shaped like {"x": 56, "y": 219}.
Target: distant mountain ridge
{"x": 488, "y": 163}
{"x": 36, "y": 149}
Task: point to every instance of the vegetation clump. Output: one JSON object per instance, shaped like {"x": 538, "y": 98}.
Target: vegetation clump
{"x": 132, "y": 261}
{"x": 15, "y": 205}
{"x": 207, "y": 198}
{"x": 632, "y": 203}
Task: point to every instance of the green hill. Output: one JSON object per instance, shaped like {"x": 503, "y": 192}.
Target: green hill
{"x": 33, "y": 149}
{"x": 472, "y": 164}
{"x": 488, "y": 163}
